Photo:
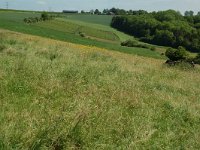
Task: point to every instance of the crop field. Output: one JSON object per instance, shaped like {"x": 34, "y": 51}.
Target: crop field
{"x": 100, "y": 35}
{"x": 68, "y": 27}
{"x": 94, "y": 19}
{"x": 59, "y": 95}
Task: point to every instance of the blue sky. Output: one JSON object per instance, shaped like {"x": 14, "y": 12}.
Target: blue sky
{"x": 59, "y": 5}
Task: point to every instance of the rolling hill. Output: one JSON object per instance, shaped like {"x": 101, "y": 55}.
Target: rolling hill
{"x": 59, "y": 95}
{"x": 68, "y": 28}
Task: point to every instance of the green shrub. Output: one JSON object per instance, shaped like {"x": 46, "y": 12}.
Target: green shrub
{"x": 176, "y": 54}
{"x": 130, "y": 43}
{"x": 82, "y": 34}
{"x": 45, "y": 16}
{"x": 197, "y": 59}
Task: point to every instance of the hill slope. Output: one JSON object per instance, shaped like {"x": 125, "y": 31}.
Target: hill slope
{"x": 96, "y": 35}
{"x": 57, "y": 95}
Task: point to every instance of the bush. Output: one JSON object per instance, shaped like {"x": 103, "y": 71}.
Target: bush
{"x": 82, "y": 34}
{"x": 197, "y": 59}
{"x": 176, "y": 54}
{"x": 130, "y": 43}
{"x": 45, "y": 16}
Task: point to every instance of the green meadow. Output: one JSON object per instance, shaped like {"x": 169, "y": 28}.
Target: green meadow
{"x": 100, "y": 35}
{"x": 58, "y": 95}
{"x": 67, "y": 84}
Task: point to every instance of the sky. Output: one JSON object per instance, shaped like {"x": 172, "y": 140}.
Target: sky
{"x": 59, "y": 5}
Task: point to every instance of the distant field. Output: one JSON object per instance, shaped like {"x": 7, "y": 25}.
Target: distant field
{"x": 57, "y": 95}
{"x": 100, "y": 19}
{"x": 14, "y": 21}
{"x": 75, "y": 28}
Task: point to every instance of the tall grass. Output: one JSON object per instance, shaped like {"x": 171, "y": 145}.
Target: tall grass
{"x": 56, "y": 95}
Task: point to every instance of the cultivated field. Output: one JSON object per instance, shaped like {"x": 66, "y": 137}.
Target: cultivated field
{"x": 58, "y": 95}
{"x": 67, "y": 28}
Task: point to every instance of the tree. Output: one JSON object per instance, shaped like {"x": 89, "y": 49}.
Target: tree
{"x": 44, "y": 16}
{"x": 164, "y": 37}
{"x": 97, "y": 12}
{"x": 92, "y": 11}
{"x": 189, "y": 13}
{"x": 167, "y": 28}
{"x": 105, "y": 11}
{"x": 176, "y": 54}
{"x": 82, "y": 11}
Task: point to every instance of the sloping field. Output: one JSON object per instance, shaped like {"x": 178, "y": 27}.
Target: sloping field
{"x": 94, "y": 19}
{"x": 57, "y": 95}
{"x": 57, "y": 30}
{"x": 75, "y": 28}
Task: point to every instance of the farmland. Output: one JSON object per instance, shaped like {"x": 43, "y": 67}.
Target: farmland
{"x": 96, "y": 34}
{"x": 60, "y": 95}
{"x": 67, "y": 83}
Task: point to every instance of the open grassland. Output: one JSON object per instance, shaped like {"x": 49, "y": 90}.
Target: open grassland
{"x": 57, "y": 95}
{"x": 56, "y": 30}
{"x": 75, "y": 28}
{"x": 122, "y": 36}
{"x": 94, "y": 19}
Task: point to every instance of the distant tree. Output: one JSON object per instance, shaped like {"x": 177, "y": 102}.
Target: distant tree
{"x": 176, "y": 54}
{"x": 198, "y": 14}
{"x": 130, "y": 12}
{"x": 91, "y": 11}
{"x": 168, "y": 15}
{"x": 189, "y": 13}
{"x": 105, "y": 11}
{"x": 164, "y": 37}
{"x": 97, "y": 12}
{"x": 167, "y": 28}
{"x": 113, "y": 10}
{"x": 139, "y": 12}
{"x": 82, "y": 11}
{"x": 44, "y": 16}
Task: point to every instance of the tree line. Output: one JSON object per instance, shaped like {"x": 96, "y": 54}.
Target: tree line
{"x": 114, "y": 11}
{"x": 166, "y": 28}
{"x": 44, "y": 17}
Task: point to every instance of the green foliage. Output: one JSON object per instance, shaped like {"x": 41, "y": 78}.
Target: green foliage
{"x": 165, "y": 28}
{"x": 63, "y": 29}
{"x": 176, "y": 54}
{"x": 97, "y": 12}
{"x": 45, "y": 16}
{"x": 131, "y": 43}
{"x": 164, "y": 37}
{"x": 197, "y": 59}
{"x": 168, "y": 15}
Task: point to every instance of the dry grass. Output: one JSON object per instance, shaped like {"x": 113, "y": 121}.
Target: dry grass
{"x": 57, "y": 95}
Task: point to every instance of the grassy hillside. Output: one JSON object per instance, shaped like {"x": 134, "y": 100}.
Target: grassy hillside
{"x": 55, "y": 30}
{"x": 75, "y": 28}
{"x": 100, "y": 19}
{"x": 57, "y": 95}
